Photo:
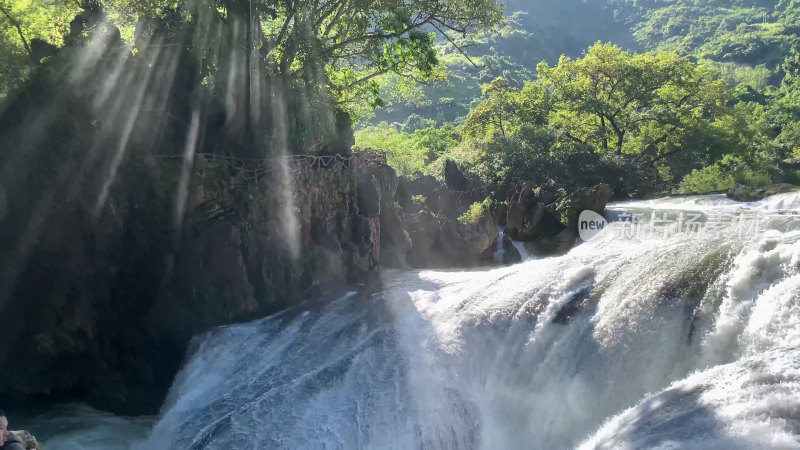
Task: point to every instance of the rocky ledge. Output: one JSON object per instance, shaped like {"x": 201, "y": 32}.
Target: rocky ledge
{"x": 744, "y": 193}
{"x": 427, "y": 223}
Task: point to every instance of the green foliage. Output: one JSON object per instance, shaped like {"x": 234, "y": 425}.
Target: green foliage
{"x": 755, "y": 179}
{"x": 402, "y": 151}
{"x": 739, "y": 32}
{"x": 745, "y": 40}
{"x": 29, "y": 31}
{"x": 504, "y": 110}
{"x": 708, "y": 179}
{"x": 477, "y": 212}
{"x": 408, "y": 153}
{"x": 640, "y": 122}
{"x": 437, "y": 140}
{"x": 758, "y": 77}
{"x": 722, "y": 78}
{"x": 724, "y": 174}
{"x": 347, "y": 47}
{"x": 791, "y": 176}
{"x": 360, "y": 41}
{"x": 632, "y": 103}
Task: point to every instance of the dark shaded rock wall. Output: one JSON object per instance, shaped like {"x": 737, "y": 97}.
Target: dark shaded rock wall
{"x": 430, "y": 213}
{"x": 102, "y": 308}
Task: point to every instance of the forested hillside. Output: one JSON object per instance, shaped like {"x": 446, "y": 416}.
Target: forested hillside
{"x": 674, "y": 96}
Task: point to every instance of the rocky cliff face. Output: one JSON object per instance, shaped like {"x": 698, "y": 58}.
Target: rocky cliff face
{"x": 113, "y": 254}
{"x": 431, "y": 212}
{"x": 100, "y": 304}
{"x": 102, "y": 308}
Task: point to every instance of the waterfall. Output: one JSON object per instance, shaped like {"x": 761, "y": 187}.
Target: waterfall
{"x": 499, "y": 254}
{"x": 523, "y": 251}
{"x": 682, "y": 340}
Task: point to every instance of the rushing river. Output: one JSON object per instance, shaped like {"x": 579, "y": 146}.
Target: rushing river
{"x": 690, "y": 340}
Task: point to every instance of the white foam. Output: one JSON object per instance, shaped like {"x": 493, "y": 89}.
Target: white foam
{"x": 536, "y": 355}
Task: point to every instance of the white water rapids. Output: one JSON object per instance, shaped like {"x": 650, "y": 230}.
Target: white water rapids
{"x": 686, "y": 341}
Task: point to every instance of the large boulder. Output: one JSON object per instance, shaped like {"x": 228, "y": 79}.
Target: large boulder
{"x": 454, "y": 178}
{"x": 421, "y": 186}
{"x": 547, "y": 216}
{"x": 744, "y": 193}
{"x": 440, "y": 242}
{"x": 507, "y": 254}
{"x": 526, "y": 209}
{"x": 377, "y": 190}
{"x": 429, "y": 213}
{"x": 566, "y": 209}
{"x": 449, "y": 199}
{"x": 472, "y": 241}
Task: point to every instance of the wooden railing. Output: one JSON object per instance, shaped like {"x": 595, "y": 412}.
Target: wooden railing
{"x": 256, "y": 168}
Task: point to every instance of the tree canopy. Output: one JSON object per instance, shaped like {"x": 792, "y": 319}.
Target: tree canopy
{"x": 343, "y": 45}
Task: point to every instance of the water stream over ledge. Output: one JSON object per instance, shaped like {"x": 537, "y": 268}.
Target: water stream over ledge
{"x": 681, "y": 341}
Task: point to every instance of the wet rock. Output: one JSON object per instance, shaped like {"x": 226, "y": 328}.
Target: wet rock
{"x": 369, "y": 196}
{"x": 744, "y": 193}
{"x": 567, "y": 208}
{"x": 112, "y": 323}
{"x": 425, "y": 186}
{"x": 367, "y": 237}
{"x": 378, "y": 186}
{"x": 29, "y": 442}
{"x": 395, "y": 241}
{"x": 547, "y": 216}
{"x": 423, "y": 229}
{"x": 471, "y": 241}
{"x": 509, "y": 254}
{"x": 549, "y": 244}
{"x": 526, "y": 208}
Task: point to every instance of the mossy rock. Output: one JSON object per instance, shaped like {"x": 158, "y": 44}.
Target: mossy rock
{"x": 744, "y": 193}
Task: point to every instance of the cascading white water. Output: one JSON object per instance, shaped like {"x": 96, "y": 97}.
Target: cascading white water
{"x": 549, "y": 353}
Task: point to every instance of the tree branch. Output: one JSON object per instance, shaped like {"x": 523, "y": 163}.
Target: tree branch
{"x": 371, "y": 76}
{"x": 369, "y": 36}
{"x": 620, "y": 133}
{"x": 449, "y": 27}
{"x": 464, "y": 54}
{"x": 285, "y": 25}
{"x": 652, "y": 146}
{"x": 578, "y": 140}
{"x": 335, "y": 19}
{"x": 19, "y": 29}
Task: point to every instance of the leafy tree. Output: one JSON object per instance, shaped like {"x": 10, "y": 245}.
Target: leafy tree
{"x": 357, "y": 41}
{"x": 633, "y": 103}
{"x": 437, "y": 140}
{"x": 505, "y": 110}
{"x": 403, "y": 152}
{"x": 30, "y": 30}
{"x": 344, "y": 45}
